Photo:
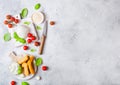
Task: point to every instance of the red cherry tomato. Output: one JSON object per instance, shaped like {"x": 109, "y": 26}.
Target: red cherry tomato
{"x": 37, "y": 43}
{"x": 52, "y": 23}
{"x": 12, "y": 19}
{"x": 44, "y": 68}
{"x": 29, "y": 40}
{"x": 16, "y": 21}
{"x": 10, "y": 25}
{"x": 33, "y": 38}
{"x": 29, "y": 35}
{"x": 6, "y": 22}
{"x": 25, "y": 47}
{"x": 13, "y": 82}
{"x": 8, "y": 16}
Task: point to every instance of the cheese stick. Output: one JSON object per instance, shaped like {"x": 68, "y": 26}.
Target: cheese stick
{"x": 24, "y": 59}
{"x": 25, "y": 67}
{"x": 30, "y": 65}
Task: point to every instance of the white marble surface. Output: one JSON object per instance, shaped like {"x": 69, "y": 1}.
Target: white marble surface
{"x": 83, "y": 48}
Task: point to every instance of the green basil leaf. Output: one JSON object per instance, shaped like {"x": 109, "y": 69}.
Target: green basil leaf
{"x": 37, "y": 6}
{"x": 7, "y": 37}
{"x": 24, "y": 13}
{"x": 19, "y": 67}
{"x": 32, "y": 50}
{"x": 19, "y": 39}
{"x": 19, "y": 71}
{"x": 38, "y": 27}
{"x": 27, "y": 23}
{"x": 38, "y": 61}
{"x": 25, "y": 83}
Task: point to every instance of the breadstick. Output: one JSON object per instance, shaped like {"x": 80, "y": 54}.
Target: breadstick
{"x": 32, "y": 58}
{"x": 30, "y": 66}
{"x": 25, "y": 67}
{"x": 24, "y": 59}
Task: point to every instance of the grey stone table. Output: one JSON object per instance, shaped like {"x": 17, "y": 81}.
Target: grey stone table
{"x": 83, "y": 48}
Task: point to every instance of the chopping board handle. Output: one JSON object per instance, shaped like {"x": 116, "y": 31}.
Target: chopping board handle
{"x": 42, "y": 44}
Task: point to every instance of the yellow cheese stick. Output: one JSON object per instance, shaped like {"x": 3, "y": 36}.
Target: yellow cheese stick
{"x": 32, "y": 58}
{"x": 31, "y": 67}
{"x": 24, "y": 59}
{"x": 25, "y": 67}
